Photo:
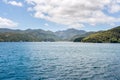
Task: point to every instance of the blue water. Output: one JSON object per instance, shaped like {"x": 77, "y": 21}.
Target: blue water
{"x": 59, "y": 61}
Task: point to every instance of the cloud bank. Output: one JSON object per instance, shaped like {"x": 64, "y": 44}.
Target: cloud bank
{"x": 7, "y": 23}
{"x": 76, "y": 13}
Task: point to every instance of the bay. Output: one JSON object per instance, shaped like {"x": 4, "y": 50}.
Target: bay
{"x": 59, "y": 61}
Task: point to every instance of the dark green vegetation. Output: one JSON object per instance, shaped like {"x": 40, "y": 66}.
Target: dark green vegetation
{"x": 29, "y": 35}
{"x": 109, "y": 36}
{"x": 37, "y": 35}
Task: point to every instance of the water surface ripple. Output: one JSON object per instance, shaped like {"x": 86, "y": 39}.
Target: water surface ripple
{"x": 59, "y": 61}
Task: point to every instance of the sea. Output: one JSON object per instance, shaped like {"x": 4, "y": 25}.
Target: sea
{"x": 59, "y": 61}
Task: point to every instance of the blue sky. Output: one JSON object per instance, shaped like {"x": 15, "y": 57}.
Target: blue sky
{"x": 89, "y": 15}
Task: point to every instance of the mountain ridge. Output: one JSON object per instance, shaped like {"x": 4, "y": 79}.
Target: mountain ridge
{"x": 38, "y": 35}
{"x": 69, "y": 33}
{"x": 9, "y": 35}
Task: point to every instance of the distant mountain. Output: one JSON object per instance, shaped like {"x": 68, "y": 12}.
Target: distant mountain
{"x": 3, "y": 30}
{"x": 80, "y": 37}
{"x": 9, "y": 35}
{"x": 109, "y": 36}
{"x": 69, "y": 33}
{"x": 37, "y": 35}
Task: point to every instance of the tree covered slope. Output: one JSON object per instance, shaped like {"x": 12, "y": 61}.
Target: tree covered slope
{"x": 109, "y": 36}
{"x": 29, "y": 35}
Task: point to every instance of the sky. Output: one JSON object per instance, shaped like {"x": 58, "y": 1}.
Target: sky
{"x": 89, "y": 15}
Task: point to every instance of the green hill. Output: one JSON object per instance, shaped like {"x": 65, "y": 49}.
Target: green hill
{"x": 37, "y": 35}
{"x": 109, "y": 36}
{"x": 29, "y": 35}
{"x": 32, "y": 35}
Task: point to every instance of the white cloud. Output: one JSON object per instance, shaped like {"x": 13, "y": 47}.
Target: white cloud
{"x": 75, "y": 13}
{"x": 14, "y": 3}
{"x": 29, "y": 9}
{"x": 7, "y": 23}
{"x": 46, "y": 24}
{"x": 115, "y": 8}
